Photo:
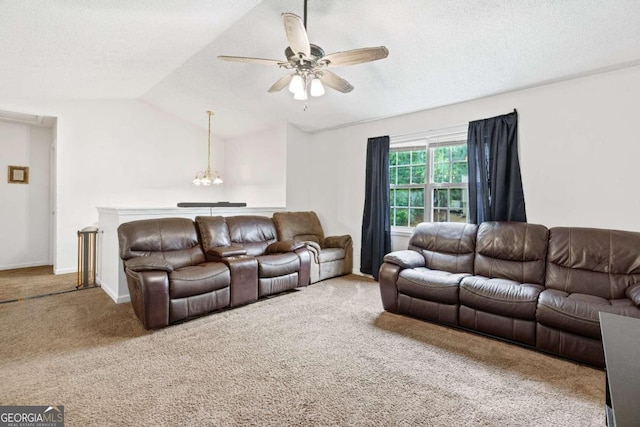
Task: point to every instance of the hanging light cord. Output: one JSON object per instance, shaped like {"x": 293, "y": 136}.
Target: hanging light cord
{"x": 209, "y": 145}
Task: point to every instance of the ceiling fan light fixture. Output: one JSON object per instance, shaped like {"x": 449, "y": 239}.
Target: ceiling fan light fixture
{"x": 308, "y": 61}
{"x": 301, "y": 95}
{"x": 316, "y": 88}
{"x": 297, "y": 84}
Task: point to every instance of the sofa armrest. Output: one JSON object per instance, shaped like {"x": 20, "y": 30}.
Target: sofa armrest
{"x": 149, "y": 292}
{"x": 283, "y": 247}
{"x": 633, "y": 293}
{"x": 314, "y": 248}
{"x": 148, "y": 263}
{"x": 405, "y": 259}
{"x": 225, "y": 252}
{"x": 338, "y": 241}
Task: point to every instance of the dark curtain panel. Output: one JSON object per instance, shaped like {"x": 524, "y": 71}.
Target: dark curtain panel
{"x": 495, "y": 184}
{"x": 376, "y": 225}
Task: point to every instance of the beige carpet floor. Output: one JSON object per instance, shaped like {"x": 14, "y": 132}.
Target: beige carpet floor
{"x": 324, "y": 355}
{"x": 33, "y": 281}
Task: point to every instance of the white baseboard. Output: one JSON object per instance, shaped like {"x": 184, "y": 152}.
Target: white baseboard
{"x": 118, "y": 299}
{"x": 24, "y": 265}
{"x": 65, "y": 270}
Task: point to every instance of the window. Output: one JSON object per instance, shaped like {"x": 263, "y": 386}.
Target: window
{"x": 428, "y": 180}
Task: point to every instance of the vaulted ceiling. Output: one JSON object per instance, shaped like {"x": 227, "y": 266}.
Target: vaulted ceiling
{"x": 441, "y": 52}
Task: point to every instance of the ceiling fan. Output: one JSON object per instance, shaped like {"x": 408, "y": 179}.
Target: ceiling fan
{"x": 309, "y": 63}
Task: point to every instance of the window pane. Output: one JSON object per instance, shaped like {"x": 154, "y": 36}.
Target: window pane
{"x": 458, "y": 215}
{"x": 392, "y": 158}
{"x": 441, "y": 154}
{"x": 404, "y": 175}
{"x": 459, "y": 152}
{"x": 402, "y": 197}
{"x": 392, "y": 197}
{"x": 455, "y": 198}
{"x": 402, "y": 217}
{"x": 459, "y": 172}
{"x": 417, "y": 197}
{"x": 417, "y": 216}
{"x": 393, "y": 178}
{"x": 417, "y": 174}
{"x": 404, "y": 157}
{"x": 419, "y": 157}
{"x": 440, "y": 215}
{"x": 441, "y": 173}
{"x": 440, "y": 198}
{"x": 392, "y": 211}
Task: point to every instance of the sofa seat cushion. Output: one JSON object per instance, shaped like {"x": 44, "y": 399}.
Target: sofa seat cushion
{"x": 430, "y": 285}
{"x": 198, "y": 279}
{"x": 500, "y": 296}
{"x": 578, "y": 313}
{"x": 276, "y": 265}
{"x": 331, "y": 254}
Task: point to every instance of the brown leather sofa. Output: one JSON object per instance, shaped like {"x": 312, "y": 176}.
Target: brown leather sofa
{"x": 524, "y": 283}
{"x": 331, "y": 256}
{"x": 177, "y": 269}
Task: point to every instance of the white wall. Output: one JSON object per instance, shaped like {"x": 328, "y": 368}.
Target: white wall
{"x": 578, "y": 152}
{"x": 25, "y": 208}
{"x": 577, "y": 142}
{"x": 299, "y": 169}
{"x": 120, "y": 153}
{"x": 256, "y": 168}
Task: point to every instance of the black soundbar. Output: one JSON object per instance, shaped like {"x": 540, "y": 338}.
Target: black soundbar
{"x": 211, "y": 205}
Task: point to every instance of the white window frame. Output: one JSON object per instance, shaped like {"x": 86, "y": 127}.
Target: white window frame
{"x": 429, "y": 139}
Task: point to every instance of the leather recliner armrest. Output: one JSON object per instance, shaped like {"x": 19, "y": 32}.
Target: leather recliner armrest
{"x": 148, "y": 263}
{"x": 633, "y": 293}
{"x": 226, "y": 251}
{"x": 337, "y": 241}
{"x": 405, "y": 259}
{"x": 313, "y": 248}
{"x": 283, "y": 247}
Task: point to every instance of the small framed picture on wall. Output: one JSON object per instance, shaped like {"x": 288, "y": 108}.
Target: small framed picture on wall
{"x": 18, "y": 175}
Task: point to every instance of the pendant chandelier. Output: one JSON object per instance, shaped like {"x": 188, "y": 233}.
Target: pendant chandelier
{"x": 207, "y": 178}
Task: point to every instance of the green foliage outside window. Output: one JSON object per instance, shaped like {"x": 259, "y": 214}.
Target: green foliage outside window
{"x": 413, "y": 189}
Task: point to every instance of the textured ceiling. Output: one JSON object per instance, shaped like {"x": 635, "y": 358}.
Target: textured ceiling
{"x": 441, "y": 52}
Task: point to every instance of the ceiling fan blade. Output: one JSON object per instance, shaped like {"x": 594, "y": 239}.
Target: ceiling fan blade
{"x": 296, "y": 34}
{"x": 334, "y": 81}
{"x": 281, "y": 83}
{"x": 356, "y": 56}
{"x": 252, "y": 60}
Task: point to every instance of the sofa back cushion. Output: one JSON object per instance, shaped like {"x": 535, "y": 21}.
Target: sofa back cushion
{"x": 512, "y": 250}
{"x": 254, "y": 233}
{"x": 593, "y": 261}
{"x": 173, "y": 239}
{"x": 447, "y": 246}
{"x": 300, "y": 226}
{"x": 214, "y": 232}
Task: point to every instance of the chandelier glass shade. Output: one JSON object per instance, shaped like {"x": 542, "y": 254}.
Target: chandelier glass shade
{"x": 206, "y": 178}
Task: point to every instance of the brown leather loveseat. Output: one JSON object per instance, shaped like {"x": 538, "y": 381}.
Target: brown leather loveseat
{"x": 521, "y": 282}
